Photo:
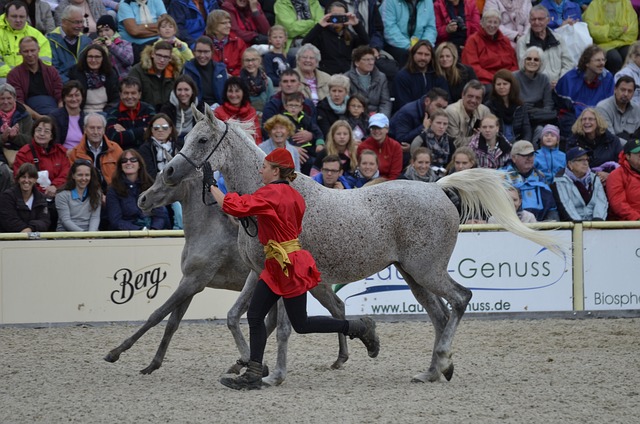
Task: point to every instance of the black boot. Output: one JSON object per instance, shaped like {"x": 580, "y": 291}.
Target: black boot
{"x": 250, "y": 380}
{"x": 365, "y": 330}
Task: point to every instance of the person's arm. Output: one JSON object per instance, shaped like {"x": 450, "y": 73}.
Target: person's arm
{"x": 123, "y": 50}
{"x": 396, "y": 160}
{"x": 115, "y": 214}
{"x": 286, "y": 16}
{"x": 94, "y": 220}
{"x": 64, "y": 211}
{"x": 618, "y": 197}
{"x": 11, "y": 222}
{"x": 599, "y": 201}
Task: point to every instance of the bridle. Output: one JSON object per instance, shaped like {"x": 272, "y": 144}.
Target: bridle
{"x": 244, "y": 221}
{"x": 199, "y": 167}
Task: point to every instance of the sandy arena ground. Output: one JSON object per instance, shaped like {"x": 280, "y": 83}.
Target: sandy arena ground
{"x": 506, "y": 371}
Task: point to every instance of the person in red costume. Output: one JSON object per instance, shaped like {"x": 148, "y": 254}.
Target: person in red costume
{"x": 289, "y": 271}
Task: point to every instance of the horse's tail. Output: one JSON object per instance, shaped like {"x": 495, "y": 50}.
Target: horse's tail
{"x": 482, "y": 192}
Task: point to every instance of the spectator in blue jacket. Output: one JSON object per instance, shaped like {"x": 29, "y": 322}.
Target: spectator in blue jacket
{"x": 405, "y": 21}
{"x": 209, "y": 75}
{"x": 67, "y": 41}
{"x": 549, "y": 158}
{"x": 129, "y": 180}
{"x": 562, "y": 12}
{"x": 191, "y": 19}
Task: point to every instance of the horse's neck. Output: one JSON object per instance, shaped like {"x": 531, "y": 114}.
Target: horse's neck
{"x": 240, "y": 167}
{"x": 194, "y": 209}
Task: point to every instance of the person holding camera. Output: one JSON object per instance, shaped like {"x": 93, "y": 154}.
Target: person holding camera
{"x": 337, "y": 34}
{"x": 456, "y": 20}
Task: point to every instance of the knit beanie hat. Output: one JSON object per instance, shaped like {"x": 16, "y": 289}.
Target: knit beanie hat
{"x": 551, "y": 129}
{"x": 108, "y": 21}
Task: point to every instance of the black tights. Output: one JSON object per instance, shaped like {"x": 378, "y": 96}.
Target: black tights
{"x": 262, "y": 301}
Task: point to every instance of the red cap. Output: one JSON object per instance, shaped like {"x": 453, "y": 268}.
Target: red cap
{"x": 281, "y": 157}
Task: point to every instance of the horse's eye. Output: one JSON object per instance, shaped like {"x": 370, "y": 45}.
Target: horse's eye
{"x": 202, "y": 140}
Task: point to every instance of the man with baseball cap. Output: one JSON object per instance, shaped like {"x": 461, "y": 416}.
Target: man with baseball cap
{"x": 623, "y": 185}
{"x": 537, "y": 197}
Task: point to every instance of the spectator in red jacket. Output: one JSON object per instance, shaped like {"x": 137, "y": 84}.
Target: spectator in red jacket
{"x": 488, "y": 50}
{"x": 236, "y": 104}
{"x": 388, "y": 150}
{"x": 248, "y": 20}
{"x": 456, "y": 21}
{"x": 623, "y": 185}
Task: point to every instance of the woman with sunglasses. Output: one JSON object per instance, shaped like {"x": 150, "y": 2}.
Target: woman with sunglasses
{"x": 129, "y": 180}
{"x": 160, "y": 144}
{"x": 80, "y": 201}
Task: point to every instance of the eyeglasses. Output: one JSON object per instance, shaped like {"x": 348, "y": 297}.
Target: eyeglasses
{"x": 530, "y": 155}
{"x": 162, "y": 57}
{"x": 532, "y": 59}
{"x": 43, "y": 130}
{"x": 251, "y": 59}
{"x": 330, "y": 171}
{"x": 91, "y": 57}
{"x": 162, "y": 127}
{"x": 581, "y": 160}
{"x": 132, "y": 160}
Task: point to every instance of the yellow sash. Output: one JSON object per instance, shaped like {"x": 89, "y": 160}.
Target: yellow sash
{"x": 280, "y": 252}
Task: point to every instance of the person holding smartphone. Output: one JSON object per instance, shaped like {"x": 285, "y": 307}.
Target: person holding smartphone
{"x": 337, "y": 34}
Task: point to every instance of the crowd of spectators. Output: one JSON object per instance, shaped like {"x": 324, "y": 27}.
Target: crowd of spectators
{"x": 96, "y": 97}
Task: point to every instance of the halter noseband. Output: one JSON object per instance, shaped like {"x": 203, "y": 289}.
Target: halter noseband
{"x": 192, "y": 163}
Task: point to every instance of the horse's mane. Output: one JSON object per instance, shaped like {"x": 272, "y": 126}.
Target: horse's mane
{"x": 247, "y": 126}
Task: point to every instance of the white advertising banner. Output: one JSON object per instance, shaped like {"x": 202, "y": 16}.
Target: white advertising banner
{"x": 611, "y": 269}
{"x": 96, "y": 280}
{"x": 506, "y": 274}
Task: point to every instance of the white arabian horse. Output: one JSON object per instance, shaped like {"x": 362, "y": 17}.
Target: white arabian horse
{"x": 353, "y": 234}
{"x": 210, "y": 258}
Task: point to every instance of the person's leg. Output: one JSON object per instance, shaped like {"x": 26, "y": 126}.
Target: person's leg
{"x": 262, "y": 301}
{"x": 363, "y": 328}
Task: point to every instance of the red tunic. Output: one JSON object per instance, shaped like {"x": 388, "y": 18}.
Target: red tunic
{"x": 279, "y": 208}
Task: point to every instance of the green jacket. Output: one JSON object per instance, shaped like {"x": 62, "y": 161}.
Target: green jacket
{"x": 9, "y": 45}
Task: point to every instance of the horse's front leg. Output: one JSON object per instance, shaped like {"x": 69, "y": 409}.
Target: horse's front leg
{"x": 169, "y": 331}
{"x": 186, "y": 289}
{"x": 327, "y": 298}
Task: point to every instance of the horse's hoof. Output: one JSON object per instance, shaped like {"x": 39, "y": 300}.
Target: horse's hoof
{"x": 111, "y": 357}
{"x": 151, "y": 368}
{"x": 337, "y": 365}
{"x": 448, "y": 373}
{"x": 265, "y": 370}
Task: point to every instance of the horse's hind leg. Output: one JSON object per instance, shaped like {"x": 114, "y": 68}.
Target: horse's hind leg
{"x": 186, "y": 289}
{"x": 283, "y": 332}
{"x": 241, "y": 306}
{"x": 169, "y": 331}
{"x": 327, "y": 298}
{"x": 428, "y": 292}
{"x": 438, "y": 315}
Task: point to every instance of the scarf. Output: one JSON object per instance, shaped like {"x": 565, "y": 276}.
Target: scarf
{"x": 558, "y": 7}
{"x": 339, "y": 110}
{"x": 163, "y": 153}
{"x": 257, "y": 85}
{"x": 5, "y": 117}
{"x": 585, "y": 181}
{"x": 145, "y": 14}
{"x": 303, "y": 12}
{"x": 219, "y": 44}
{"x": 412, "y": 174}
{"x": 95, "y": 80}
{"x": 185, "y": 122}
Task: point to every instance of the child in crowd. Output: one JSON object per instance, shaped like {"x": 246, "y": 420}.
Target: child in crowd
{"x": 167, "y": 30}
{"x": 275, "y": 60}
{"x": 356, "y": 115}
{"x": 435, "y": 138}
{"x": 293, "y": 104}
{"x": 463, "y": 158}
{"x": 526, "y": 217}
{"x": 120, "y": 50}
{"x": 549, "y": 158}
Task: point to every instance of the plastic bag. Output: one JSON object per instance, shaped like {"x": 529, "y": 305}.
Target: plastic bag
{"x": 575, "y": 38}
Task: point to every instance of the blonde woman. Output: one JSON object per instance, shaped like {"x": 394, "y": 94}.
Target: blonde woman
{"x": 339, "y": 142}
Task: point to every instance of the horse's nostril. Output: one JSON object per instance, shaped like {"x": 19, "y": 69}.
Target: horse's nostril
{"x": 168, "y": 171}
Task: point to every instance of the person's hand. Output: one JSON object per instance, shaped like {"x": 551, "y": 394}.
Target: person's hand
{"x": 253, "y": 5}
{"x": 119, "y": 128}
{"x": 452, "y": 27}
{"x": 13, "y": 131}
{"x": 603, "y": 176}
{"x": 353, "y": 19}
{"x": 319, "y": 148}
{"x": 27, "y": 230}
{"x": 338, "y": 185}
{"x": 426, "y": 122}
{"x": 207, "y": 176}
{"x": 50, "y": 192}
{"x": 304, "y": 156}
{"x": 302, "y": 137}
{"x": 324, "y": 22}
{"x": 405, "y": 147}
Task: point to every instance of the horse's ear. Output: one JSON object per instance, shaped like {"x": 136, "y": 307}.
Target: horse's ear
{"x": 199, "y": 115}
{"x": 209, "y": 113}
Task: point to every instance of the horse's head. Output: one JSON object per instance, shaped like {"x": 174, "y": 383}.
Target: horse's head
{"x": 200, "y": 146}
{"x": 160, "y": 193}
